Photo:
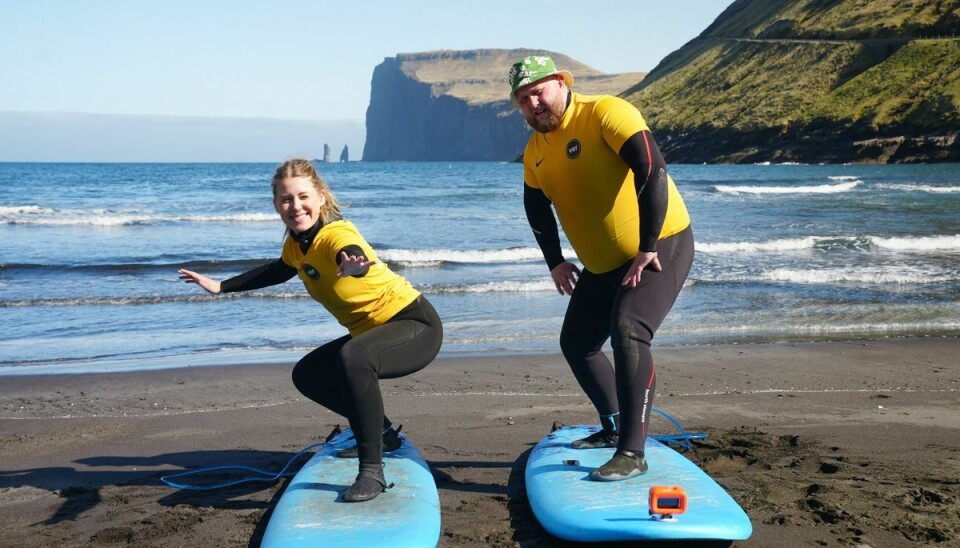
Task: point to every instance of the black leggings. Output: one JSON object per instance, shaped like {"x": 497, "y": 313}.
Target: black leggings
{"x": 343, "y": 374}
{"x": 601, "y": 308}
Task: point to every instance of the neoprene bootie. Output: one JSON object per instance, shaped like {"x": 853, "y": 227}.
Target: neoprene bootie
{"x": 624, "y": 465}
{"x": 608, "y": 436}
{"x": 369, "y": 483}
{"x": 391, "y": 442}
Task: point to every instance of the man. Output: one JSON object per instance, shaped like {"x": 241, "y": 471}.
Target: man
{"x": 593, "y": 158}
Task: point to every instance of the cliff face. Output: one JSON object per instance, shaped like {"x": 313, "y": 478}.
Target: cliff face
{"x": 407, "y": 120}
{"x": 813, "y": 81}
{"x": 454, "y": 105}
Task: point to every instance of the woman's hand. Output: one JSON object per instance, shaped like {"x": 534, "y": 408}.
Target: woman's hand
{"x": 351, "y": 265}
{"x": 191, "y": 277}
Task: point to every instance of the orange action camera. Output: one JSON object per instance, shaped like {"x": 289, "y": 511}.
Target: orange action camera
{"x": 667, "y": 500}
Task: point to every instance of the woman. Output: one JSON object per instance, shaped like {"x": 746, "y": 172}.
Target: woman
{"x": 393, "y": 329}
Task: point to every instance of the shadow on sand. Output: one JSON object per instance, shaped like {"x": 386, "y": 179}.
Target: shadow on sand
{"x": 82, "y": 489}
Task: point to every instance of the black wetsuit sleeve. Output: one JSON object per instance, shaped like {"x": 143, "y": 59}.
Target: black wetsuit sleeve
{"x": 544, "y": 225}
{"x": 355, "y": 251}
{"x": 642, "y": 154}
{"x": 272, "y": 273}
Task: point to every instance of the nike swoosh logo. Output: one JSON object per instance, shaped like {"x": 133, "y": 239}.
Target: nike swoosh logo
{"x": 540, "y": 161}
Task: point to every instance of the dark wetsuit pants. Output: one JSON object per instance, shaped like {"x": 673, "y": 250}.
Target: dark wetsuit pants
{"x": 343, "y": 374}
{"x": 602, "y": 308}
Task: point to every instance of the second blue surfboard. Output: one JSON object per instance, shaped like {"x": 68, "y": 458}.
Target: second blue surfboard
{"x": 571, "y": 506}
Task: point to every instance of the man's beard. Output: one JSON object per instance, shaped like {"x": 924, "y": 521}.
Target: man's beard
{"x": 553, "y": 119}
{"x": 547, "y": 125}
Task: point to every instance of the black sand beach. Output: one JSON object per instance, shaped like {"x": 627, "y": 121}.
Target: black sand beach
{"x": 823, "y": 444}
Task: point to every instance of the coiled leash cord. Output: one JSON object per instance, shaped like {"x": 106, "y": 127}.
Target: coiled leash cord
{"x": 261, "y": 475}
{"x": 682, "y": 439}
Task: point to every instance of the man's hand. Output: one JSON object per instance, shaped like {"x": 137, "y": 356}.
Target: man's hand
{"x": 632, "y": 277}
{"x": 565, "y": 277}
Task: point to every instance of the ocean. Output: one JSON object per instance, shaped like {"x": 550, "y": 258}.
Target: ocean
{"x": 89, "y": 256}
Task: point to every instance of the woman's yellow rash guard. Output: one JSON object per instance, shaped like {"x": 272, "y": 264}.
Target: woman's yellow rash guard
{"x": 357, "y": 303}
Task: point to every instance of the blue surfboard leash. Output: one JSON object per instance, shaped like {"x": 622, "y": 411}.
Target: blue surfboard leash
{"x": 683, "y": 438}
{"x": 264, "y": 475}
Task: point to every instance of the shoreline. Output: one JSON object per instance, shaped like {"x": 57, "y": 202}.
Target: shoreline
{"x": 823, "y": 442}
{"x": 217, "y": 358}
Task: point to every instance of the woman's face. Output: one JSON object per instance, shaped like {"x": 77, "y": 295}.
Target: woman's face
{"x": 299, "y": 203}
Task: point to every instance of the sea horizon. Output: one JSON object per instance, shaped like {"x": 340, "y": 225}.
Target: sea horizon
{"x": 784, "y": 253}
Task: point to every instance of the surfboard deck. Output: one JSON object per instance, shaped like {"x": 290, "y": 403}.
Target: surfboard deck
{"x": 571, "y": 506}
{"x": 310, "y": 512}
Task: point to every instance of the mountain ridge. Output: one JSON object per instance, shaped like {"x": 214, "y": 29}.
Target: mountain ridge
{"x": 814, "y": 81}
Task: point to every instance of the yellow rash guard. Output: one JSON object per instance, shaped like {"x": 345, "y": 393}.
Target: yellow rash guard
{"x": 357, "y": 303}
{"x": 578, "y": 167}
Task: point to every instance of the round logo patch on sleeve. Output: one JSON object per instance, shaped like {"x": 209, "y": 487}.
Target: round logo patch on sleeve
{"x": 311, "y": 272}
{"x": 573, "y": 148}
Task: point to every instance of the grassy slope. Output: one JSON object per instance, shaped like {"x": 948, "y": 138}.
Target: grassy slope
{"x": 834, "y": 61}
{"x": 838, "y": 19}
{"x": 919, "y": 86}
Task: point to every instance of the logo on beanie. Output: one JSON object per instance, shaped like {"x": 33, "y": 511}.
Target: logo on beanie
{"x": 573, "y": 148}
{"x": 311, "y": 272}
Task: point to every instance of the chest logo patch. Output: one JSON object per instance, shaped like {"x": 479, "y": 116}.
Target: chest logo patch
{"x": 573, "y": 149}
{"x": 311, "y": 272}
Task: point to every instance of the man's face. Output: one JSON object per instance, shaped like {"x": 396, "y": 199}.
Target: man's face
{"x": 543, "y": 102}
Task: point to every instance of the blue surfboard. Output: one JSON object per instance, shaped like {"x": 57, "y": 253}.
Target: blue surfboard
{"x": 571, "y": 506}
{"x": 310, "y": 512}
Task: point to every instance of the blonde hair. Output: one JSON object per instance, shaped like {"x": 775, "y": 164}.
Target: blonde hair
{"x": 300, "y": 167}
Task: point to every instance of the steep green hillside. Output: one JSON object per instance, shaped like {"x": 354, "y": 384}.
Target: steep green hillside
{"x": 919, "y": 85}
{"x": 836, "y": 19}
{"x": 812, "y": 80}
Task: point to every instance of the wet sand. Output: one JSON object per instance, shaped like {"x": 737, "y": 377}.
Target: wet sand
{"x": 823, "y": 444}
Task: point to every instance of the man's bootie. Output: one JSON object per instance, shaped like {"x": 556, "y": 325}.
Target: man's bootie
{"x": 369, "y": 483}
{"x": 624, "y": 465}
{"x": 607, "y": 436}
{"x": 600, "y": 438}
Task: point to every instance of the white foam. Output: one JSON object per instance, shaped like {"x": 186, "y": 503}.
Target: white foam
{"x": 40, "y": 216}
{"x": 788, "y": 328}
{"x": 508, "y": 286}
{"x": 430, "y": 257}
{"x": 818, "y": 189}
{"x": 906, "y": 244}
{"x": 921, "y": 244}
{"x": 864, "y": 275}
{"x": 772, "y": 245}
{"x": 920, "y": 188}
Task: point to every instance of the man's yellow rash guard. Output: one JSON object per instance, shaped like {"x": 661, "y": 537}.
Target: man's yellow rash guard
{"x": 577, "y": 166}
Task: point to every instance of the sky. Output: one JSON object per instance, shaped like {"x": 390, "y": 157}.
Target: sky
{"x": 295, "y": 59}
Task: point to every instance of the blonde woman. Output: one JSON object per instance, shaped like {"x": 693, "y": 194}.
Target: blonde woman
{"x": 393, "y": 330}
